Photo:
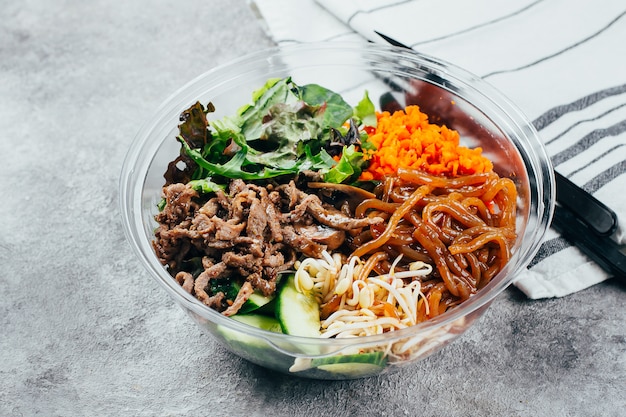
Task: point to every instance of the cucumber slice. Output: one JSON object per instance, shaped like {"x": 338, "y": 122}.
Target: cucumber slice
{"x": 245, "y": 344}
{"x": 267, "y": 309}
{"x": 352, "y": 366}
{"x": 257, "y": 320}
{"x": 256, "y": 301}
{"x": 253, "y": 348}
{"x": 298, "y": 313}
{"x": 260, "y": 321}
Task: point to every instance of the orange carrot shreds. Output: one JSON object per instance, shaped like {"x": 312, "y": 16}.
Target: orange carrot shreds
{"x": 405, "y": 139}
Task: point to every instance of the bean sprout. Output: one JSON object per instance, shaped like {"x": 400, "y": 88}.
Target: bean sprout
{"x": 373, "y": 305}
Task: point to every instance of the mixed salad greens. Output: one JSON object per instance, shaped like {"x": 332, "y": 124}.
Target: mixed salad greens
{"x": 286, "y": 129}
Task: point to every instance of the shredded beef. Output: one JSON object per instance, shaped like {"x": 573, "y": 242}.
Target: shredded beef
{"x": 329, "y": 216}
{"x": 273, "y": 216}
{"x": 242, "y": 296}
{"x": 249, "y": 235}
{"x": 302, "y": 243}
{"x": 185, "y": 279}
{"x": 179, "y": 204}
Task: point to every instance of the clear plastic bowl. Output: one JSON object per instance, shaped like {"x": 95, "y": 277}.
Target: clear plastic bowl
{"x": 450, "y": 95}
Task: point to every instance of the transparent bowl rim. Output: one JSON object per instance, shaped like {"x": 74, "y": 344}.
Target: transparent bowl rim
{"x": 133, "y": 175}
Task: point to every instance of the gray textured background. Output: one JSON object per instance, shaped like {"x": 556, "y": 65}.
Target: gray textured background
{"x": 85, "y": 331}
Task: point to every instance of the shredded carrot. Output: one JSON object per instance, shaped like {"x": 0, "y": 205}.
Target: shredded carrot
{"x": 405, "y": 139}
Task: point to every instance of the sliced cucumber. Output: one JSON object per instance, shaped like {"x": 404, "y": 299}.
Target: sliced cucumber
{"x": 257, "y": 320}
{"x": 353, "y": 366}
{"x": 256, "y": 301}
{"x": 298, "y": 313}
{"x": 253, "y": 348}
{"x": 267, "y": 309}
{"x": 260, "y": 321}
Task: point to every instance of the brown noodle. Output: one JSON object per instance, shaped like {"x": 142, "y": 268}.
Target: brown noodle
{"x": 463, "y": 226}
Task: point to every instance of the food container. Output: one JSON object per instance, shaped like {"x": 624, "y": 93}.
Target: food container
{"x": 392, "y": 77}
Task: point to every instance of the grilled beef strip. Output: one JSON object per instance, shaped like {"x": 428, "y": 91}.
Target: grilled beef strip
{"x": 250, "y": 234}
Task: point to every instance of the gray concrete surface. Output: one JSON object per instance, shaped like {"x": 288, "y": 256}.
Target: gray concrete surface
{"x": 84, "y": 331}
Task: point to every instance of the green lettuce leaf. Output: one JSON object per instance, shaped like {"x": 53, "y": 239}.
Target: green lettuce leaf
{"x": 349, "y": 167}
{"x": 366, "y": 112}
{"x": 286, "y": 127}
{"x": 205, "y": 185}
{"x": 337, "y": 110}
{"x": 251, "y": 119}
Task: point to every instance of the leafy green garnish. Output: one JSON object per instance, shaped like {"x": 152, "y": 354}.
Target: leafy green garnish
{"x": 366, "y": 112}
{"x": 224, "y": 285}
{"x": 234, "y": 168}
{"x": 337, "y": 110}
{"x": 251, "y": 117}
{"x": 161, "y": 204}
{"x": 287, "y": 129}
{"x": 366, "y": 145}
{"x": 349, "y": 167}
{"x": 205, "y": 185}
